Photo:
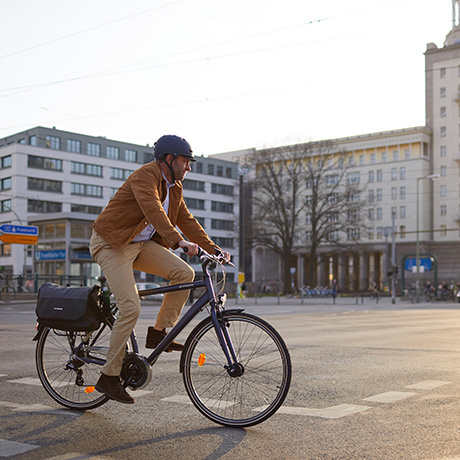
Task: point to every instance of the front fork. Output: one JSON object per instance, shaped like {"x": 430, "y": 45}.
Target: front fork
{"x": 221, "y": 326}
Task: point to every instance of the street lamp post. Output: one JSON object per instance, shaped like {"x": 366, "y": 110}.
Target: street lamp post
{"x": 417, "y": 245}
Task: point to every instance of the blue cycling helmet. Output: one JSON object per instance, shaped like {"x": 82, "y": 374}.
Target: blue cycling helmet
{"x": 175, "y": 145}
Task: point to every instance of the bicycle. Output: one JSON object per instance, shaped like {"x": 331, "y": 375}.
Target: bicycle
{"x": 7, "y": 293}
{"x": 236, "y": 368}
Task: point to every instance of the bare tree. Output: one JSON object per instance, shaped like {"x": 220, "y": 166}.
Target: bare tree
{"x": 304, "y": 198}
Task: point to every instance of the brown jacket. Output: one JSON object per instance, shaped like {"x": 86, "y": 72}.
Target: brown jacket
{"x": 138, "y": 202}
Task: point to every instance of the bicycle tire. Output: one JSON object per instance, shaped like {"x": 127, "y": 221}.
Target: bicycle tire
{"x": 68, "y": 380}
{"x": 250, "y": 398}
{"x": 8, "y": 294}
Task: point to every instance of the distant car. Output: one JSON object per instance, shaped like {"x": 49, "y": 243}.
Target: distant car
{"x": 143, "y": 286}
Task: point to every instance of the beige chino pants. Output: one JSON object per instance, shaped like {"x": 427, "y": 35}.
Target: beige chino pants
{"x": 117, "y": 266}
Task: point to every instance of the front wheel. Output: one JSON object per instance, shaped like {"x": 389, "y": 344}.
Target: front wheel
{"x": 251, "y": 390}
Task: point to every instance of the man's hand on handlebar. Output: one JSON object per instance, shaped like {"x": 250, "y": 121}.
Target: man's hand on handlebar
{"x": 190, "y": 248}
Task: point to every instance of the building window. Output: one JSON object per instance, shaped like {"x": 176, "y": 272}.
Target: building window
{"x": 73, "y": 146}
{"x": 379, "y": 175}
{"x": 370, "y": 195}
{"x": 148, "y": 157}
{"x": 443, "y": 210}
{"x": 402, "y": 193}
{"x": 113, "y": 153}
{"x": 86, "y": 190}
{"x": 402, "y": 212}
{"x": 362, "y": 160}
{"x": 85, "y": 209}
{"x": 407, "y": 154}
{"x": 44, "y": 185}
{"x": 379, "y": 214}
{"x": 353, "y": 178}
{"x": 33, "y": 140}
{"x": 194, "y": 203}
{"x": 94, "y": 150}
{"x": 5, "y": 184}
{"x": 443, "y": 131}
{"x": 40, "y": 206}
{"x": 371, "y": 213}
{"x": 394, "y": 193}
{"x": 371, "y": 177}
{"x": 395, "y": 155}
{"x": 379, "y": 194}
{"x": 402, "y": 231}
{"x": 442, "y": 112}
{"x": 5, "y": 249}
{"x": 223, "y": 242}
{"x": 443, "y": 151}
{"x": 53, "y": 142}
{"x": 222, "y": 189}
{"x": 5, "y": 162}
{"x": 5, "y": 205}
{"x": 211, "y": 170}
{"x": 220, "y": 171}
{"x": 353, "y": 234}
{"x": 353, "y": 197}
{"x": 442, "y": 72}
{"x": 195, "y": 185}
{"x": 394, "y": 173}
{"x": 121, "y": 174}
{"x": 373, "y": 158}
{"x": 228, "y": 173}
{"x": 199, "y": 167}
{"x": 219, "y": 224}
{"x": 443, "y": 190}
{"x": 86, "y": 169}
{"x": 384, "y": 157}
{"x": 220, "y": 206}
{"x": 443, "y": 230}
{"x": 402, "y": 173}
{"x": 443, "y": 170}
{"x": 442, "y": 92}
{"x": 130, "y": 155}
{"x": 53, "y": 164}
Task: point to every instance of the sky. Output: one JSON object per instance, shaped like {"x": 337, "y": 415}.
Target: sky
{"x": 224, "y": 75}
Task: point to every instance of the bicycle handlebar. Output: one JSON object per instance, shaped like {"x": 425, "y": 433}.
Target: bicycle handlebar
{"x": 219, "y": 258}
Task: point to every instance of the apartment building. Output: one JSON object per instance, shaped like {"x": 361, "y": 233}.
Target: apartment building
{"x": 60, "y": 181}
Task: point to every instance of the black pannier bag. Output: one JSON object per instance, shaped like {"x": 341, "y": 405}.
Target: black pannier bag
{"x": 70, "y": 308}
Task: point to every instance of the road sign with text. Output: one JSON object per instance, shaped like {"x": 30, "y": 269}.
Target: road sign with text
{"x": 18, "y": 234}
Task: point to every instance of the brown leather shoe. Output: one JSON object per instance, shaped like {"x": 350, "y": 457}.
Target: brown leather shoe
{"x": 111, "y": 386}
{"x": 154, "y": 337}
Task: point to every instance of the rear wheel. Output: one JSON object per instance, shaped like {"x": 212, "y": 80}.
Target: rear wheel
{"x": 69, "y": 365}
{"x": 7, "y": 294}
{"x": 250, "y": 391}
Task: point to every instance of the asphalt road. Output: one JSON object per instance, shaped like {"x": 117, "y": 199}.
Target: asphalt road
{"x": 370, "y": 381}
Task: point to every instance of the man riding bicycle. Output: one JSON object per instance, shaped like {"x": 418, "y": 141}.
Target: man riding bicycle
{"x": 136, "y": 231}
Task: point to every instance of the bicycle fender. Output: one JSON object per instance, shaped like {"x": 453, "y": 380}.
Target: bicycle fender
{"x": 190, "y": 337}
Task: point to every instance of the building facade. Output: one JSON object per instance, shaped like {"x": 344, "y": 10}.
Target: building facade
{"x": 60, "y": 181}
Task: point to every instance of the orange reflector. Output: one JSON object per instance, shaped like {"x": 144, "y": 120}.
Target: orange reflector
{"x": 89, "y": 389}
{"x": 201, "y": 360}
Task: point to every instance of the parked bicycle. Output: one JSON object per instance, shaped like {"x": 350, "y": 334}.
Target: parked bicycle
{"x": 7, "y": 292}
{"x": 236, "y": 367}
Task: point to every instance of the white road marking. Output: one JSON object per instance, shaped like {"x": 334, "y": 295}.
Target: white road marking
{"x": 428, "y": 385}
{"x": 10, "y": 448}
{"x": 27, "y": 381}
{"x": 333, "y": 412}
{"x": 25, "y": 407}
{"x": 182, "y": 399}
{"x": 74, "y": 455}
{"x": 389, "y": 397}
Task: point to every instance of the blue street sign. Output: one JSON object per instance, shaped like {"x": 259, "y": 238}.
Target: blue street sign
{"x": 52, "y": 254}
{"x": 19, "y": 229}
{"x": 424, "y": 262}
